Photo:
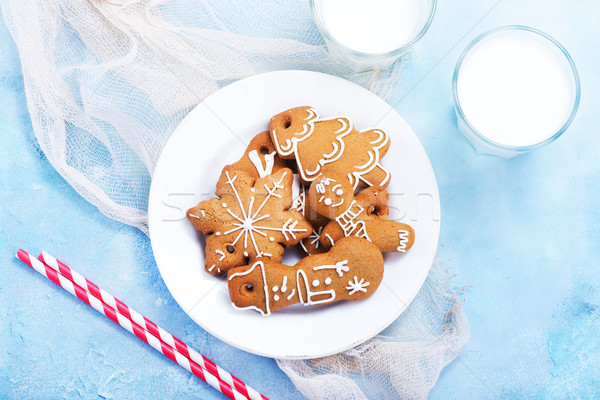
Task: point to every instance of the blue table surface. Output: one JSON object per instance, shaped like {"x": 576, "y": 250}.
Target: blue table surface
{"x": 523, "y": 235}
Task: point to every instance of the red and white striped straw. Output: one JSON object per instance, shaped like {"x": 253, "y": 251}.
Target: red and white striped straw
{"x": 65, "y": 278}
{"x": 151, "y": 327}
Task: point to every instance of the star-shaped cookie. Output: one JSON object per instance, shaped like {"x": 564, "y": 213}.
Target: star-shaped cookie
{"x": 251, "y": 218}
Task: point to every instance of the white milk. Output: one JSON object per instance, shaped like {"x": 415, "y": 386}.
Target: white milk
{"x": 516, "y": 88}
{"x": 371, "y": 26}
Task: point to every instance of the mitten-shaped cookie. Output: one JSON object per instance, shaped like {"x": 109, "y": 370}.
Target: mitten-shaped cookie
{"x": 250, "y": 219}
{"x": 312, "y": 244}
{"x": 322, "y": 146}
{"x": 351, "y": 270}
{"x": 364, "y": 215}
{"x": 260, "y": 158}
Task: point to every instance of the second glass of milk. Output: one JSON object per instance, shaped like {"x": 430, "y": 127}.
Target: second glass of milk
{"x": 515, "y": 89}
{"x": 372, "y": 33}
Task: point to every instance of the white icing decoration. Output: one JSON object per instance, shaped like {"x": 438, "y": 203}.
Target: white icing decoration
{"x": 291, "y": 147}
{"x": 291, "y": 294}
{"x": 265, "y": 287}
{"x": 269, "y": 162}
{"x": 267, "y": 254}
{"x": 271, "y": 239}
{"x": 330, "y": 239}
{"x": 252, "y": 190}
{"x": 303, "y": 246}
{"x": 212, "y": 267}
{"x": 356, "y": 286}
{"x": 349, "y": 225}
{"x": 203, "y": 214}
{"x": 315, "y": 283}
{"x": 299, "y": 195}
{"x": 335, "y": 187}
{"x": 275, "y": 288}
{"x": 218, "y": 233}
{"x": 245, "y": 254}
{"x": 403, "y": 236}
{"x": 327, "y": 281}
{"x": 246, "y": 222}
{"x": 194, "y": 216}
{"x": 276, "y": 297}
{"x": 221, "y": 253}
{"x": 339, "y": 203}
{"x": 314, "y": 239}
{"x": 283, "y": 285}
{"x": 224, "y": 205}
{"x": 309, "y": 293}
{"x": 328, "y": 201}
{"x": 339, "y": 192}
{"x": 320, "y": 187}
{"x": 340, "y": 267}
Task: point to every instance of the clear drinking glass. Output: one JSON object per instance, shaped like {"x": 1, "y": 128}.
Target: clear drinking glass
{"x": 480, "y": 140}
{"x": 363, "y": 60}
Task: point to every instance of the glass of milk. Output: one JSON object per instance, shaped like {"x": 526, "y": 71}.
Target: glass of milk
{"x": 516, "y": 89}
{"x": 372, "y": 33}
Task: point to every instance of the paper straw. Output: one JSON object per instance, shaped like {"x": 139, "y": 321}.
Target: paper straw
{"x": 131, "y": 326}
{"x": 151, "y": 327}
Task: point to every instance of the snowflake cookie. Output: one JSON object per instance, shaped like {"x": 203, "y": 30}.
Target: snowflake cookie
{"x": 250, "y": 218}
{"x": 322, "y": 146}
{"x": 350, "y": 270}
{"x": 364, "y": 215}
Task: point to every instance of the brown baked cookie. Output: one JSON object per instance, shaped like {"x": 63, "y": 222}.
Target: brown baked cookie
{"x": 312, "y": 244}
{"x": 251, "y": 218}
{"x": 323, "y": 146}
{"x": 351, "y": 270}
{"x": 260, "y": 158}
{"x": 364, "y": 215}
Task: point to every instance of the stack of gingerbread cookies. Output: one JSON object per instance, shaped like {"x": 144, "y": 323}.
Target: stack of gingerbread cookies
{"x": 334, "y": 207}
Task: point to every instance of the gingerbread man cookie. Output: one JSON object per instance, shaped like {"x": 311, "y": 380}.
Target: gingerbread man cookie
{"x": 260, "y": 158}
{"x": 364, "y": 215}
{"x": 321, "y": 146}
{"x": 351, "y": 270}
{"x": 251, "y": 218}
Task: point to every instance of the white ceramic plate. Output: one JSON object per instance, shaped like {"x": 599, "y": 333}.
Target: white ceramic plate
{"x": 216, "y": 133}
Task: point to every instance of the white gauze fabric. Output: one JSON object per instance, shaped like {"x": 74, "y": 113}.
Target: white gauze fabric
{"x": 404, "y": 361}
{"x": 108, "y": 81}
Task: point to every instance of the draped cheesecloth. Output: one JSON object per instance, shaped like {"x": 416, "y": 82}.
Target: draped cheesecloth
{"x": 108, "y": 81}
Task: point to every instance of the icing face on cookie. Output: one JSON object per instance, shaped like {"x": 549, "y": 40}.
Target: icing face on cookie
{"x": 364, "y": 215}
{"x": 331, "y": 195}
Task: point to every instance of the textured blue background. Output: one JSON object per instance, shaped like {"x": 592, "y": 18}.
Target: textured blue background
{"x": 523, "y": 233}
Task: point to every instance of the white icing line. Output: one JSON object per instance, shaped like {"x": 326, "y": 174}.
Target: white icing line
{"x": 269, "y": 163}
{"x": 262, "y": 268}
{"x": 330, "y": 239}
{"x": 403, "y": 236}
{"x": 221, "y": 253}
{"x": 291, "y": 294}
{"x": 340, "y": 267}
